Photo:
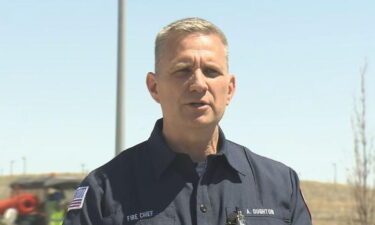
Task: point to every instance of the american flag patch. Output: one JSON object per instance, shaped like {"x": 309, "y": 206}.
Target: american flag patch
{"x": 78, "y": 198}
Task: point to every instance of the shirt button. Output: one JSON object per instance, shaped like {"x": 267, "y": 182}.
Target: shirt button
{"x": 203, "y": 208}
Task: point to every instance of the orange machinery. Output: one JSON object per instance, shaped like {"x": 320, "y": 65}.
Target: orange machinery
{"x": 24, "y": 203}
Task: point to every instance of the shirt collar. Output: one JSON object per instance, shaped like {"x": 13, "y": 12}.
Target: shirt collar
{"x": 234, "y": 154}
{"x": 162, "y": 156}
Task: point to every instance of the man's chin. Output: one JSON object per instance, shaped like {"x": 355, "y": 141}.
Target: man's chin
{"x": 201, "y": 122}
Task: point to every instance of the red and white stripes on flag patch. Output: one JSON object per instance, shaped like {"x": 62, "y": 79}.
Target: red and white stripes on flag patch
{"x": 78, "y": 198}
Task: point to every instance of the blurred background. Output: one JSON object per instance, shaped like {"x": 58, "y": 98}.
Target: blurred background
{"x": 297, "y": 64}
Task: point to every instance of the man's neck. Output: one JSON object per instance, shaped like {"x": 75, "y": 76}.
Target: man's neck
{"x": 195, "y": 142}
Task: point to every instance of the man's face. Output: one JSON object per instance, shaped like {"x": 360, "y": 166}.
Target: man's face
{"x": 192, "y": 83}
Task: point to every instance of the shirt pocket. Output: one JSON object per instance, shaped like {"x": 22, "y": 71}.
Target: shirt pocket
{"x": 165, "y": 217}
{"x": 265, "y": 220}
{"x": 157, "y": 221}
{"x": 113, "y": 220}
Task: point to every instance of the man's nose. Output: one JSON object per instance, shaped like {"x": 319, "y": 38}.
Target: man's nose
{"x": 198, "y": 81}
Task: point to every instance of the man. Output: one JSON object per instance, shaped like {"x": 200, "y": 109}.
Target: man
{"x": 187, "y": 172}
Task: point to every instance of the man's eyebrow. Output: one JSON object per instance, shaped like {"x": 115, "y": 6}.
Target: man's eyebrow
{"x": 180, "y": 65}
{"x": 213, "y": 66}
{"x": 186, "y": 63}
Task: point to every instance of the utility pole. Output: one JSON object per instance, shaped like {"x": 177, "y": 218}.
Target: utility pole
{"x": 24, "y": 165}
{"x": 334, "y": 173}
{"x": 83, "y": 168}
{"x": 11, "y": 167}
{"x": 120, "y": 111}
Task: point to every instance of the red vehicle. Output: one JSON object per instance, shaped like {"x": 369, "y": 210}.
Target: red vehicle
{"x": 40, "y": 201}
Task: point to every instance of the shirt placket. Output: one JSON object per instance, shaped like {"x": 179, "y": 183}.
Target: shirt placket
{"x": 203, "y": 207}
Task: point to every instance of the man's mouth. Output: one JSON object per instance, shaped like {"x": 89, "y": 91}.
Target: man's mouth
{"x": 198, "y": 104}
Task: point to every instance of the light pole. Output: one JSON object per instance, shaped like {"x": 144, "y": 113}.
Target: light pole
{"x": 120, "y": 111}
{"x": 24, "y": 165}
{"x": 83, "y": 168}
{"x": 11, "y": 167}
{"x": 334, "y": 173}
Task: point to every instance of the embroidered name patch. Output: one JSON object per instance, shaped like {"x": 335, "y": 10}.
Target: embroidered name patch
{"x": 260, "y": 212}
{"x": 78, "y": 198}
{"x": 140, "y": 215}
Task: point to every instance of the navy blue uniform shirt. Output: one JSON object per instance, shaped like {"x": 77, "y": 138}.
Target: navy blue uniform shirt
{"x": 151, "y": 184}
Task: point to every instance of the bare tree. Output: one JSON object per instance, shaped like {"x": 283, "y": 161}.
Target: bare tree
{"x": 362, "y": 180}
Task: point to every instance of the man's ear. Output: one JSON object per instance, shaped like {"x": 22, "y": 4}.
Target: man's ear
{"x": 231, "y": 88}
{"x": 152, "y": 83}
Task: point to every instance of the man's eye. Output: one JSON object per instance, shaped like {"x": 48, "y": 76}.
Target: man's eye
{"x": 183, "y": 71}
{"x": 211, "y": 72}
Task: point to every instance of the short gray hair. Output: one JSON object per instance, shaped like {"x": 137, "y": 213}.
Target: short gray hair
{"x": 185, "y": 27}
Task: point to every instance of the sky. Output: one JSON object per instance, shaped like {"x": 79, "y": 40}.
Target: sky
{"x": 297, "y": 65}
